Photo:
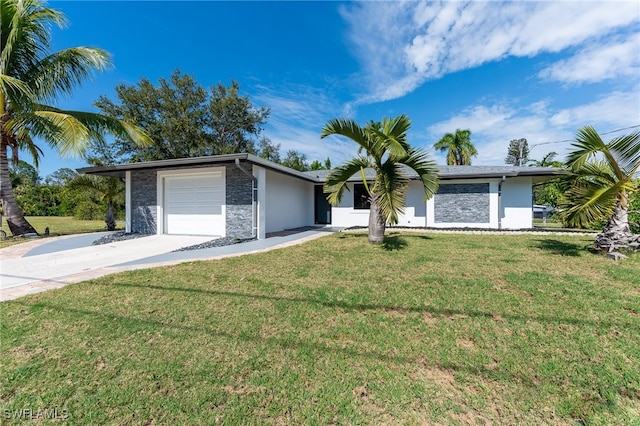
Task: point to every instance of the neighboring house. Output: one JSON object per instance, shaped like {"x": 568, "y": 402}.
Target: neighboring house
{"x": 541, "y": 211}
{"x": 241, "y": 195}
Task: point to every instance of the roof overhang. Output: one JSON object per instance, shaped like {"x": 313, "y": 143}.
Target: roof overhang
{"x": 120, "y": 169}
{"x": 538, "y": 174}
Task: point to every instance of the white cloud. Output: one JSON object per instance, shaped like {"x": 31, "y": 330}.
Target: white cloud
{"x": 493, "y": 126}
{"x": 598, "y": 63}
{"x": 618, "y": 109}
{"x": 402, "y": 45}
{"x": 296, "y": 120}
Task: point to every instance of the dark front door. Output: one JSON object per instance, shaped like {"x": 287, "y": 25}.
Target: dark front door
{"x": 323, "y": 208}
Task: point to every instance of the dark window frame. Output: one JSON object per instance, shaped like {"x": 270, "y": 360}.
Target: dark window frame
{"x": 361, "y": 199}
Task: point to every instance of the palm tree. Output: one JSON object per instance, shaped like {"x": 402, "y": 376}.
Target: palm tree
{"x": 599, "y": 185}
{"x": 109, "y": 189}
{"x": 458, "y": 146}
{"x": 383, "y": 148}
{"x": 549, "y": 160}
{"x": 30, "y": 78}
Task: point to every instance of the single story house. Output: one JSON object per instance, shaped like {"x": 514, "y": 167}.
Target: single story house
{"x": 242, "y": 195}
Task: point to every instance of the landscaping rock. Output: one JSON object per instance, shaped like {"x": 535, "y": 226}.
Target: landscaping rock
{"x": 118, "y": 236}
{"x": 218, "y": 242}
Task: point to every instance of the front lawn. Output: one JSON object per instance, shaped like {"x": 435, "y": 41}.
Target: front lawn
{"x": 58, "y": 225}
{"x": 429, "y": 329}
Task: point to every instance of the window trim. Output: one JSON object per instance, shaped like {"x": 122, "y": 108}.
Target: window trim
{"x": 359, "y": 192}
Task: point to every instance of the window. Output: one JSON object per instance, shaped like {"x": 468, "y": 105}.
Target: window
{"x": 360, "y": 197}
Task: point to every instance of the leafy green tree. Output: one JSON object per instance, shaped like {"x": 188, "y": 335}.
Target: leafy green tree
{"x": 385, "y": 149}
{"x": 548, "y": 193}
{"x": 600, "y": 184}
{"x": 31, "y": 76}
{"x": 458, "y": 147}
{"x": 38, "y": 200}
{"x": 296, "y": 161}
{"x": 183, "y": 118}
{"x": 61, "y": 177}
{"x": 110, "y": 189}
{"x": 317, "y": 165}
{"x": 518, "y": 152}
{"x": 23, "y": 173}
{"x": 269, "y": 151}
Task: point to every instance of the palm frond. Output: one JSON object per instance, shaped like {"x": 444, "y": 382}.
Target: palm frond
{"x": 587, "y": 145}
{"x": 73, "y": 137}
{"x": 349, "y": 129}
{"x": 426, "y": 169}
{"x": 391, "y": 136}
{"x": 25, "y": 34}
{"x": 389, "y": 188}
{"x": 27, "y": 125}
{"x": 444, "y": 143}
{"x": 108, "y": 188}
{"x": 337, "y": 180}
{"x": 588, "y": 201}
{"x": 626, "y": 150}
{"x": 14, "y": 88}
{"x": 597, "y": 171}
{"x": 28, "y": 145}
{"x": 61, "y": 72}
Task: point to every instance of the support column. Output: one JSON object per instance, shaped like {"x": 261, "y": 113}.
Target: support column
{"x": 127, "y": 202}
{"x": 261, "y": 218}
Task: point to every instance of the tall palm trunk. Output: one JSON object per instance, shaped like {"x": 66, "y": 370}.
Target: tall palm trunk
{"x": 617, "y": 233}
{"x": 377, "y": 224}
{"x": 18, "y": 225}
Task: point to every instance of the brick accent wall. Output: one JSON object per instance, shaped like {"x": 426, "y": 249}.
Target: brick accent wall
{"x": 239, "y": 210}
{"x": 462, "y": 203}
{"x": 144, "y": 201}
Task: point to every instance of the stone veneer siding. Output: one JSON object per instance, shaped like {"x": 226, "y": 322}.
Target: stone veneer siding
{"x": 144, "y": 201}
{"x": 462, "y": 203}
{"x": 239, "y": 211}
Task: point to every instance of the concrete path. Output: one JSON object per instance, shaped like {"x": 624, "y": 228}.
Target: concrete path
{"x": 53, "y": 263}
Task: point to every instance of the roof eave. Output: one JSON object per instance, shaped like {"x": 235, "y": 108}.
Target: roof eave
{"x": 120, "y": 169}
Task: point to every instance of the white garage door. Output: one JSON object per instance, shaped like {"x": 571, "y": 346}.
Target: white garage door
{"x": 194, "y": 205}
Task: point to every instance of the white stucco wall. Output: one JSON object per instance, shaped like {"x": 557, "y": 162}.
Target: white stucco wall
{"x": 416, "y": 212}
{"x": 344, "y": 215}
{"x": 517, "y": 203}
{"x": 288, "y": 202}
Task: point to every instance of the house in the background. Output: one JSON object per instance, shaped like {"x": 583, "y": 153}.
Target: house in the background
{"x": 241, "y": 195}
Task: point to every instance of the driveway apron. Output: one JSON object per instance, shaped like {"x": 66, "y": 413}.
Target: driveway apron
{"x": 59, "y": 264}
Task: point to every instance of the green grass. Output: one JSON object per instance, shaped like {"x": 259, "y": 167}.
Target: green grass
{"x": 57, "y": 226}
{"x": 428, "y": 329}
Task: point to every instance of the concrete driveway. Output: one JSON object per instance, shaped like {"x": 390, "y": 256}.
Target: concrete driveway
{"x": 55, "y": 262}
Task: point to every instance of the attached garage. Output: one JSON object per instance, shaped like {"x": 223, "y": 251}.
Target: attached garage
{"x": 192, "y": 203}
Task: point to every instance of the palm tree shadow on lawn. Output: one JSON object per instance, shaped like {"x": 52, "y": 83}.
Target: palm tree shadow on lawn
{"x": 394, "y": 242}
{"x": 391, "y": 242}
{"x": 563, "y": 248}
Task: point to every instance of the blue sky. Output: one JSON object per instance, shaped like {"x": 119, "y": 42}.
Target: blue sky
{"x": 504, "y": 70}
